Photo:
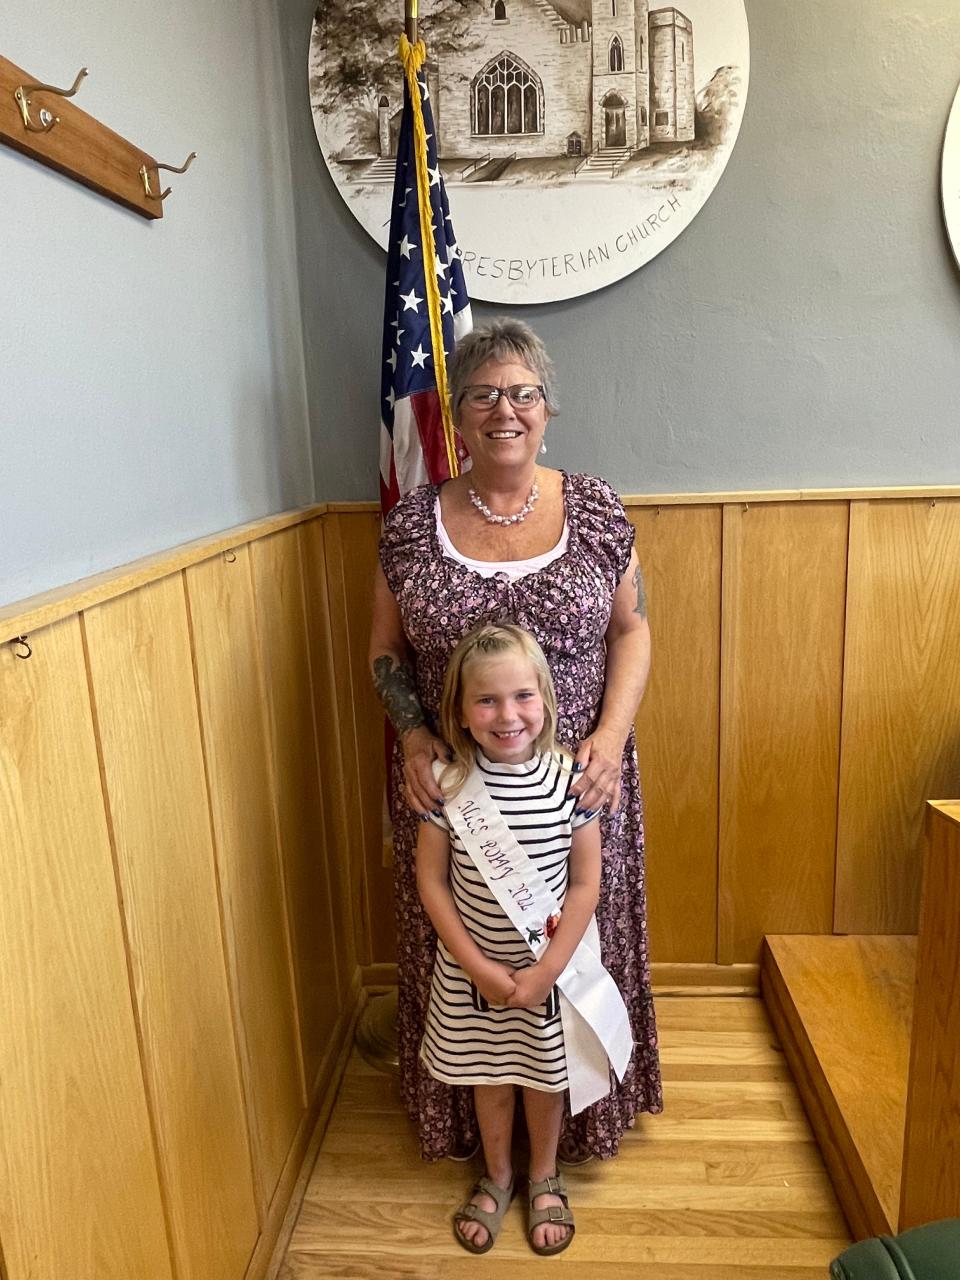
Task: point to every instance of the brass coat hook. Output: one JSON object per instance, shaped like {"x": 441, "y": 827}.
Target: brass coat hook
{"x": 47, "y": 119}
{"x": 145, "y": 175}
{"x": 24, "y": 642}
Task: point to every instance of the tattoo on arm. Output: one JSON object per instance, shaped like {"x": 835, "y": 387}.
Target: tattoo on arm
{"x": 641, "y": 606}
{"x": 397, "y": 690}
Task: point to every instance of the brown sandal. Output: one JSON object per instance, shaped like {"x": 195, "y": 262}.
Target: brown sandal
{"x": 493, "y": 1221}
{"x": 561, "y": 1216}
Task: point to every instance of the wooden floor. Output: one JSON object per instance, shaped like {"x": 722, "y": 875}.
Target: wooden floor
{"x": 727, "y": 1184}
{"x": 844, "y": 1007}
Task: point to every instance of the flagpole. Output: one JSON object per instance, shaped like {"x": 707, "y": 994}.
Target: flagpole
{"x": 376, "y": 1033}
{"x": 414, "y": 414}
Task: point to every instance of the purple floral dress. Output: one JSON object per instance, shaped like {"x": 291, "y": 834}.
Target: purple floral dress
{"x": 566, "y": 606}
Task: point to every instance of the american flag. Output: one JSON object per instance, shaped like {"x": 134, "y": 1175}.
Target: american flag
{"x": 416, "y": 437}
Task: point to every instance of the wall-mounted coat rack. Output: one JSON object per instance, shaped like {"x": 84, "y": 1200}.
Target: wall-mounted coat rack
{"x": 41, "y": 121}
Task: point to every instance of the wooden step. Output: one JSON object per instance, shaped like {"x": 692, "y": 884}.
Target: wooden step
{"x": 842, "y": 1007}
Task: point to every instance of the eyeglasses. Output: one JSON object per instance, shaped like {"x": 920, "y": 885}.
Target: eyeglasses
{"x": 523, "y": 396}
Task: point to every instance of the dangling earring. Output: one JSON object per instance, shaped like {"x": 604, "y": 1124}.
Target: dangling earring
{"x": 543, "y": 446}
{"x": 462, "y": 452}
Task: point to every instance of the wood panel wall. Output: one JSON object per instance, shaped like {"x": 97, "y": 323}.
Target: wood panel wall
{"x": 784, "y": 571}
{"x": 901, "y": 704}
{"x": 194, "y": 872}
{"x": 145, "y": 717}
{"x": 803, "y": 705}
{"x": 678, "y": 728}
{"x": 78, "y": 1156}
{"x": 176, "y": 911}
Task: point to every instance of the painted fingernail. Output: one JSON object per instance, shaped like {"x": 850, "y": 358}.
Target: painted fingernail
{"x": 437, "y": 813}
{"x": 423, "y": 817}
{"x": 588, "y": 813}
{"x": 578, "y": 767}
{"x": 577, "y": 813}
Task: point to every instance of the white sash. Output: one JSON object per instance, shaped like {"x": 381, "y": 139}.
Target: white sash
{"x": 596, "y": 1025}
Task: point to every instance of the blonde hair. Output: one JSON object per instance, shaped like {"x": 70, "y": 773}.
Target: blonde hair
{"x": 488, "y": 641}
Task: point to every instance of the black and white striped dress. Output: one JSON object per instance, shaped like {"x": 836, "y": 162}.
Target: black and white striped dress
{"x": 465, "y": 1041}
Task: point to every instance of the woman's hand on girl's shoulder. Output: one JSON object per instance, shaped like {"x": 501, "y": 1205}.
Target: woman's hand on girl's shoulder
{"x": 420, "y": 749}
{"x": 597, "y": 781}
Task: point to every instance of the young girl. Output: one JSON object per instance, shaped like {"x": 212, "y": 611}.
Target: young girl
{"x": 493, "y": 870}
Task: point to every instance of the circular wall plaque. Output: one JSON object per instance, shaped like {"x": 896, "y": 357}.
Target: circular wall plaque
{"x": 577, "y": 139}
{"x": 950, "y": 177}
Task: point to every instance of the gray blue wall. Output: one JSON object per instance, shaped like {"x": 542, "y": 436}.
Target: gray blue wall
{"x": 159, "y": 382}
{"x": 803, "y": 331}
{"x": 151, "y": 374}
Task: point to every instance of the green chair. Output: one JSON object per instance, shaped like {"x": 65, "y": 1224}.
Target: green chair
{"x": 930, "y": 1252}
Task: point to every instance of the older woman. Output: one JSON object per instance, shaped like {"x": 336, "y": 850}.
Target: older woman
{"x": 512, "y": 540}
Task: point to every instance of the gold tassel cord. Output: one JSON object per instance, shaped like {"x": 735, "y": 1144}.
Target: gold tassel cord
{"x": 413, "y": 57}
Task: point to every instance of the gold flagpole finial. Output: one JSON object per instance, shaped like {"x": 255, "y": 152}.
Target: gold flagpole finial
{"x": 410, "y": 19}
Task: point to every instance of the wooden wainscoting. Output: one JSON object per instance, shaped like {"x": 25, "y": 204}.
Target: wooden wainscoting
{"x": 678, "y": 728}
{"x": 194, "y": 867}
{"x": 901, "y": 705}
{"x": 803, "y": 705}
{"x": 784, "y": 572}
{"x": 177, "y": 929}
{"x": 151, "y": 759}
{"x": 352, "y": 535}
{"x": 78, "y": 1159}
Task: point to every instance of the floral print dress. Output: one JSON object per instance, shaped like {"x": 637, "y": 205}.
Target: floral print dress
{"x": 566, "y": 606}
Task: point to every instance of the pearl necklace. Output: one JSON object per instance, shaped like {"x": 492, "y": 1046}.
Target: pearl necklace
{"x": 518, "y": 518}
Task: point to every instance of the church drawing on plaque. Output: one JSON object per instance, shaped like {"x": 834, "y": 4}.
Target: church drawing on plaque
{"x": 577, "y": 138}
{"x": 600, "y": 80}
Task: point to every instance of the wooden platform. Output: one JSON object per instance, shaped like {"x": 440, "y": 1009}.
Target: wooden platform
{"x": 727, "y": 1184}
{"x": 842, "y": 1007}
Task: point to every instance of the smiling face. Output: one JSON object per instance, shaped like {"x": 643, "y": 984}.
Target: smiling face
{"x": 501, "y": 706}
{"x": 502, "y": 438}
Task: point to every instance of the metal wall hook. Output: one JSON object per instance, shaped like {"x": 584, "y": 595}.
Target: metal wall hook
{"x": 145, "y": 175}
{"x": 230, "y": 556}
{"x": 47, "y": 119}
{"x": 22, "y": 640}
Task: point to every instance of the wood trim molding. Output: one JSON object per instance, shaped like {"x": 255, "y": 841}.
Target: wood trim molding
{"x": 24, "y": 616}
{"x": 758, "y": 496}
{"x": 723, "y": 497}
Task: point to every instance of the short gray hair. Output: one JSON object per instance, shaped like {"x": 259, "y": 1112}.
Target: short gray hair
{"x": 503, "y": 340}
